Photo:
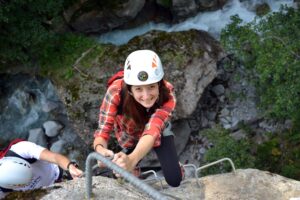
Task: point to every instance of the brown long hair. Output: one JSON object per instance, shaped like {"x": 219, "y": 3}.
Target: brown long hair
{"x": 136, "y": 111}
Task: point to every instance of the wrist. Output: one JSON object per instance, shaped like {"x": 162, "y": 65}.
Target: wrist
{"x": 98, "y": 145}
{"x": 133, "y": 160}
{"x": 71, "y": 163}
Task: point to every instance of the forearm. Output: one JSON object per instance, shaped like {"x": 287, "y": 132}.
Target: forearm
{"x": 55, "y": 158}
{"x": 62, "y": 161}
{"x": 144, "y": 145}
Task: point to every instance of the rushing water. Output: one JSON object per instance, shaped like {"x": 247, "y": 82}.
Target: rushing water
{"x": 212, "y": 21}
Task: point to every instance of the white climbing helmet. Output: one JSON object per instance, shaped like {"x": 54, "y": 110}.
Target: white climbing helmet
{"x": 14, "y": 172}
{"x": 143, "y": 67}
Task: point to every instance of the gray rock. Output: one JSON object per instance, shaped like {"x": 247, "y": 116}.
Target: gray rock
{"x": 245, "y": 184}
{"x": 52, "y": 128}
{"x": 99, "y": 19}
{"x": 48, "y": 106}
{"x": 182, "y": 133}
{"x": 238, "y": 135}
{"x": 218, "y": 90}
{"x": 183, "y": 8}
{"x": 38, "y": 136}
{"x": 58, "y": 146}
{"x": 211, "y": 115}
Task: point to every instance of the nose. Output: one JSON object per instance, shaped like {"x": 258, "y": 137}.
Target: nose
{"x": 146, "y": 93}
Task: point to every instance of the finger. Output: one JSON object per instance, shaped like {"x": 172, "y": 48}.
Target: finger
{"x": 76, "y": 173}
{"x": 119, "y": 155}
{"x": 100, "y": 164}
{"x": 111, "y": 156}
{"x": 117, "y": 175}
{"x": 109, "y": 153}
{"x": 116, "y": 157}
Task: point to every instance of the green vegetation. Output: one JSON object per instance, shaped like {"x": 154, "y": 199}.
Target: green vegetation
{"x": 33, "y": 34}
{"x": 30, "y": 35}
{"x": 25, "y": 27}
{"x": 280, "y": 154}
{"x": 165, "y": 3}
{"x": 271, "y": 49}
{"x": 63, "y": 52}
{"x": 226, "y": 146}
{"x": 29, "y": 194}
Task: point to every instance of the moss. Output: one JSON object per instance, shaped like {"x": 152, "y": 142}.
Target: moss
{"x": 167, "y": 45}
{"x": 24, "y": 195}
{"x": 174, "y": 57}
{"x": 165, "y": 3}
{"x": 92, "y": 56}
{"x": 74, "y": 91}
{"x": 69, "y": 77}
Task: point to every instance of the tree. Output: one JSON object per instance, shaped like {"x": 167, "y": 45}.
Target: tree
{"x": 26, "y": 26}
{"x": 29, "y": 35}
{"x": 270, "y": 48}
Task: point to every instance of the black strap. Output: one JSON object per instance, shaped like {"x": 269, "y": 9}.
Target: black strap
{"x": 13, "y": 154}
{"x": 120, "y": 106}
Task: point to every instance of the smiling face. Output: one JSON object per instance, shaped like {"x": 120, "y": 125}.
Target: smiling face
{"x": 146, "y": 95}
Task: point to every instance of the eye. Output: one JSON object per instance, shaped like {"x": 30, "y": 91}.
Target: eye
{"x": 153, "y": 86}
{"x": 137, "y": 89}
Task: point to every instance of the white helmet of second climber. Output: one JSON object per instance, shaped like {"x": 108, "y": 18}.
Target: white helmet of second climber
{"x": 14, "y": 172}
{"x": 143, "y": 67}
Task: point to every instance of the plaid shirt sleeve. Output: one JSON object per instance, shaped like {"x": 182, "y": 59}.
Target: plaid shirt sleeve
{"x": 108, "y": 110}
{"x": 159, "y": 118}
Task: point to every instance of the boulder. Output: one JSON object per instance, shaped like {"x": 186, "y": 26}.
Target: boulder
{"x": 245, "y": 184}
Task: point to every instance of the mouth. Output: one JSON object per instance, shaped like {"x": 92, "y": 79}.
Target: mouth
{"x": 148, "y": 103}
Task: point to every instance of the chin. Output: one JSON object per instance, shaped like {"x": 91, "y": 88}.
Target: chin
{"x": 148, "y": 105}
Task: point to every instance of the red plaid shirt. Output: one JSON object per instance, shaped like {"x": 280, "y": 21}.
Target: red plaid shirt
{"x": 125, "y": 129}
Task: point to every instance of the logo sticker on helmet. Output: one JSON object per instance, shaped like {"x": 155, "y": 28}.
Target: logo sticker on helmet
{"x": 154, "y": 62}
{"x": 128, "y": 65}
{"x": 142, "y": 76}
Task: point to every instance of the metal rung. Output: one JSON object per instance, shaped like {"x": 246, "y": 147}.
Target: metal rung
{"x": 214, "y": 163}
{"x": 155, "y": 177}
{"x": 191, "y": 166}
{"x": 125, "y": 174}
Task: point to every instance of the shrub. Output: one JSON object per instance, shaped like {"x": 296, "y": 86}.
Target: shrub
{"x": 26, "y": 27}
{"x": 280, "y": 154}
{"x": 226, "y": 146}
{"x": 30, "y": 35}
{"x": 271, "y": 49}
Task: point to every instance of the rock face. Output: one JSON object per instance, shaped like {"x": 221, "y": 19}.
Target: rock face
{"x": 94, "y": 17}
{"x": 190, "y": 64}
{"x": 97, "y": 17}
{"x": 31, "y": 110}
{"x": 250, "y": 184}
{"x": 245, "y": 184}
